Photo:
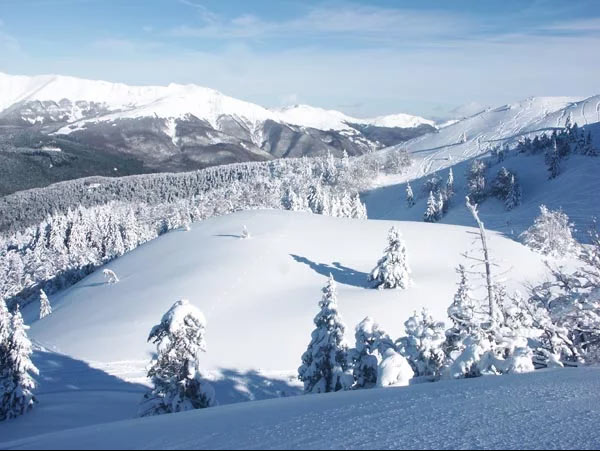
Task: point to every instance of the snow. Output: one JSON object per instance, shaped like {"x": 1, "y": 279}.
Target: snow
{"x": 489, "y": 128}
{"x": 280, "y": 271}
{"x": 502, "y": 412}
{"x": 308, "y": 116}
{"x": 174, "y": 101}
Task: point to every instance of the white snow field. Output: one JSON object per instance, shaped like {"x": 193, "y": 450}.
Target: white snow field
{"x": 260, "y": 295}
{"x": 547, "y": 410}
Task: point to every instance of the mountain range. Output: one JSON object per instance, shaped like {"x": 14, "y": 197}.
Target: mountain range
{"x": 54, "y": 128}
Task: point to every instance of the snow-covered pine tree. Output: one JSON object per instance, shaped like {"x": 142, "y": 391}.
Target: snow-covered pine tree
{"x": 551, "y": 234}
{"x": 450, "y": 183}
{"x": 359, "y": 210}
{"x": 325, "y": 364}
{"x": 346, "y": 205}
{"x": 16, "y": 382}
{"x": 371, "y": 343}
{"x": 476, "y": 181}
{"x": 553, "y": 160}
{"x": 440, "y": 205}
{"x": 423, "y": 345}
{"x": 392, "y": 270}
{"x": 431, "y": 211}
{"x": 463, "y": 137}
{"x": 316, "y": 199}
{"x": 462, "y": 314}
{"x": 410, "y": 197}
{"x": 177, "y": 383}
{"x": 514, "y": 194}
{"x": 45, "y": 307}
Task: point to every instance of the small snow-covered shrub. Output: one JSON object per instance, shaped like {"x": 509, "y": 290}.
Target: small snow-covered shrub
{"x": 423, "y": 345}
{"x": 371, "y": 343}
{"x": 110, "y": 276}
{"x": 551, "y": 234}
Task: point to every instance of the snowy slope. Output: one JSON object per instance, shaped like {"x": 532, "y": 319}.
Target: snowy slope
{"x": 260, "y": 295}
{"x": 575, "y": 190}
{"x": 546, "y": 410}
{"x": 505, "y": 124}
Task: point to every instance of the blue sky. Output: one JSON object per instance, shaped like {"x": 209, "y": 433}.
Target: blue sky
{"x": 362, "y": 57}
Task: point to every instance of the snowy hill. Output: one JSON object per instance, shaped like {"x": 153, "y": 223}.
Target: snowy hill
{"x": 574, "y": 191}
{"x": 268, "y": 286}
{"x": 549, "y": 410}
{"x": 475, "y": 135}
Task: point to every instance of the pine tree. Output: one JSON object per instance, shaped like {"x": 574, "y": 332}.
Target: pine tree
{"x": 17, "y": 384}
{"x": 476, "y": 181}
{"x": 450, "y": 184}
{"x": 423, "y": 345}
{"x": 359, "y": 210}
{"x": 410, "y": 197}
{"x": 45, "y": 307}
{"x": 514, "y": 194}
{"x": 462, "y": 313}
{"x": 175, "y": 374}
{"x": 431, "y": 212}
{"x": 440, "y": 205}
{"x": 553, "y": 160}
{"x": 325, "y": 364}
{"x": 392, "y": 270}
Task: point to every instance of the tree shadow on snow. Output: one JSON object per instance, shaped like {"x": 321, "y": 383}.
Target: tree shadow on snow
{"x": 340, "y": 273}
{"x": 228, "y": 236}
{"x": 235, "y": 386}
{"x": 72, "y": 394}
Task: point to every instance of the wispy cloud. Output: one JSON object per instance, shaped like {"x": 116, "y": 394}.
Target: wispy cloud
{"x": 355, "y": 21}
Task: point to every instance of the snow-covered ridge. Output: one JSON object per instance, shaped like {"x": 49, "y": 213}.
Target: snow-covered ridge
{"x": 506, "y": 124}
{"x": 176, "y": 101}
{"x": 308, "y": 116}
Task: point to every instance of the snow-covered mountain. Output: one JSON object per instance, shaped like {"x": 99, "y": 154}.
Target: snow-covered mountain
{"x": 110, "y": 128}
